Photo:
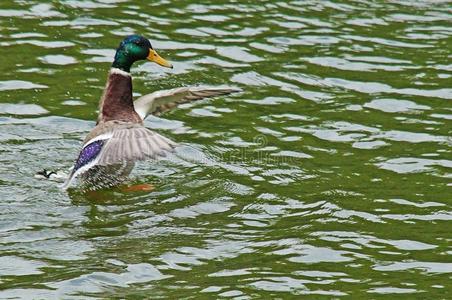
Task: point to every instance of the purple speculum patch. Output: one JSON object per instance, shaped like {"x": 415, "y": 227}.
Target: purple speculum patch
{"x": 88, "y": 154}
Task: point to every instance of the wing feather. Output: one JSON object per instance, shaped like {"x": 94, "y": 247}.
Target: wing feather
{"x": 124, "y": 143}
{"x": 131, "y": 144}
{"x": 161, "y": 101}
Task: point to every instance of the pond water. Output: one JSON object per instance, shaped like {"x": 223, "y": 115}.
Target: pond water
{"x": 329, "y": 175}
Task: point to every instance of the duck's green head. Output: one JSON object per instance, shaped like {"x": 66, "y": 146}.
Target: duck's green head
{"x": 133, "y": 48}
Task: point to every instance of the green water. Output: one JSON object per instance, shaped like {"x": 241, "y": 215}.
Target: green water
{"x": 329, "y": 176}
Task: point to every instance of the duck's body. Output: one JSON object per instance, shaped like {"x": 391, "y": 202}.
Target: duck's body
{"x": 119, "y": 139}
{"x": 117, "y": 102}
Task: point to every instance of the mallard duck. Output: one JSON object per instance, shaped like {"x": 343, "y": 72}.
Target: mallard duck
{"x": 119, "y": 138}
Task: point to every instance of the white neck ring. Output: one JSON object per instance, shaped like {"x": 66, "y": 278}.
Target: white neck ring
{"x": 119, "y": 71}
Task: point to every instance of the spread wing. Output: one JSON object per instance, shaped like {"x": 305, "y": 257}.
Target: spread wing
{"x": 164, "y": 100}
{"x": 127, "y": 143}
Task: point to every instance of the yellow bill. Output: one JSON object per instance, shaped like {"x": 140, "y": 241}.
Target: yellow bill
{"x": 153, "y": 56}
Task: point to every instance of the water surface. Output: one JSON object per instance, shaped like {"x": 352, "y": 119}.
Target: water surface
{"x": 328, "y": 176}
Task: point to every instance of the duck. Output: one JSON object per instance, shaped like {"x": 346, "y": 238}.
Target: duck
{"x": 120, "y": 139}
